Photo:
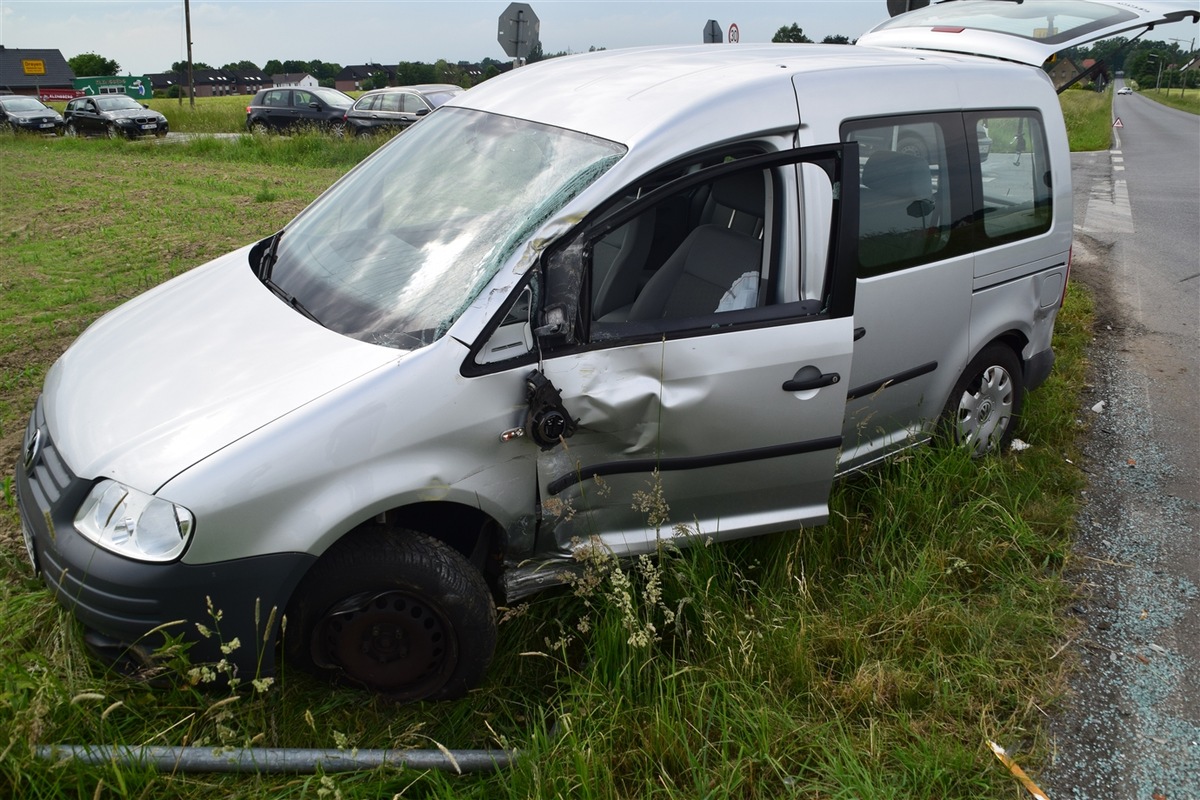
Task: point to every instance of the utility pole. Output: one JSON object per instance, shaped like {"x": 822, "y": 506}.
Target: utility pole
{"x": 187, "y": 20}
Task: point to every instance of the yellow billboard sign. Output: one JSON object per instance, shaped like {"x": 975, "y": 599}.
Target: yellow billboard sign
{"x": 33, "y": 66}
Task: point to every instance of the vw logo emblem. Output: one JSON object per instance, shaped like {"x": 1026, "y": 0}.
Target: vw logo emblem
{"x": 33, "y": 449}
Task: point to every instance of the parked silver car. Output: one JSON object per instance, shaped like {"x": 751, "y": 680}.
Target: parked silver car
{"x": 396, "y": 107}
{"x": 671, "y": 270}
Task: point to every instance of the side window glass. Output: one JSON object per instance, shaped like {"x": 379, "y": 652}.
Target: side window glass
{"x": 411, "y": 104}
{"x": 905, "y": 193}
{"x": 1014, "y": 183}
{"x": 696, "y": 253}
{"x": 389, "y": 102}
{"x": 301, "y": 99}
{"x": 368, "y": 103}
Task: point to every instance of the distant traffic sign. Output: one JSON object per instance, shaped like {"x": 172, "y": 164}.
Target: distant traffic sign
{"x": 519, "y": 30}
{"x": 735, "y": 35}
{"x": 712, "y": 32}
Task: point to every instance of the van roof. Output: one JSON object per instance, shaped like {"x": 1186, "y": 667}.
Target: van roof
{"x": 630, "y": 95}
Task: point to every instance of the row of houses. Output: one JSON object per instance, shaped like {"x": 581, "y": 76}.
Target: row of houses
{"x": 45, "y": 71}
{"x": 223, "y": 82}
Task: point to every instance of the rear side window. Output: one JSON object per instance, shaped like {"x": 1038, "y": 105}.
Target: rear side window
{"x": 907, "y": 191}
{"x": 1013, "y": 179}
{"x": 411, "y": 104}
{"x": 933, "y": 186}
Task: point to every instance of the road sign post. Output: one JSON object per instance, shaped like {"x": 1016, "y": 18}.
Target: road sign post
{"x": 712, "y": 32}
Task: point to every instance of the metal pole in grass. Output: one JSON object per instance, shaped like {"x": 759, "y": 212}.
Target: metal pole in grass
{"x": 278, "y": 760}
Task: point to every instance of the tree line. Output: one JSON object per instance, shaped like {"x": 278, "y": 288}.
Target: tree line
{"x": 1145, "y": 62}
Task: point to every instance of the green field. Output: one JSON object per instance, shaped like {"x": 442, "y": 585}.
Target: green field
{"x": 872, "y": 657}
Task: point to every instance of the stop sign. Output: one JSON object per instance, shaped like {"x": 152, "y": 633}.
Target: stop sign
{"x": 519, "y": 29}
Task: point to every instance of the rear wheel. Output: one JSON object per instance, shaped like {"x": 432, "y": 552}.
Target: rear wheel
{"x": 984, "y": 407}
{"x": 398, "y": 613}
{"x": 259, "y": 128}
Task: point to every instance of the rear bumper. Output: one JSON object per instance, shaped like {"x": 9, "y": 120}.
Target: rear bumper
{"x": 1037, "y": 369}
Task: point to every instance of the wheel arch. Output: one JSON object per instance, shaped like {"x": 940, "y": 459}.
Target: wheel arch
{"x": 472, "y": 532}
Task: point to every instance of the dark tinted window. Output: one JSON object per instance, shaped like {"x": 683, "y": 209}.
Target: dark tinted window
{"x": 907, "y": 197}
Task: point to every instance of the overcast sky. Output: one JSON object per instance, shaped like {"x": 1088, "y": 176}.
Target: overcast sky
{"x": 146, "y": 36}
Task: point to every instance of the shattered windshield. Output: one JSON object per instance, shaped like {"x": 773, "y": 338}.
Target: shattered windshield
{"x": 397, "y": 249}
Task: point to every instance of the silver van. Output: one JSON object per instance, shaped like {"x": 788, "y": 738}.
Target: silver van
{"x": 708, "y": 271}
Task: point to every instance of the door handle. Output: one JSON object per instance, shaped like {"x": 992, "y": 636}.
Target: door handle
{"x": 810, "y": 377}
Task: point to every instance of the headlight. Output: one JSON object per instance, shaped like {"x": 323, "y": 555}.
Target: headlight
{"x": 133, "y": 523}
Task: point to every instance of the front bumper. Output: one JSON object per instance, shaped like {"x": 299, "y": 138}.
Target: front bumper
{"x": 136, "y": 607}
{"x": 44, "y": 126}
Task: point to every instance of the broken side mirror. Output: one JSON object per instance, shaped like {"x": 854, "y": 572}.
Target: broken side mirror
{"x": 563, "y": 270}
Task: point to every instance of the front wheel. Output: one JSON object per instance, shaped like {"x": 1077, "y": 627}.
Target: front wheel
{"x": 982, "y": 411}
{"x": 112, "y": 132}
{"x": 398, "y": 613}
{"x": 70, "y": 129}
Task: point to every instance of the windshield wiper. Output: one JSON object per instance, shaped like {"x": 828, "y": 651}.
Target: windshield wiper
{"x": 265, "y": 266}
{"x": 267, "y": 262}
{"x": 290, "y": 299}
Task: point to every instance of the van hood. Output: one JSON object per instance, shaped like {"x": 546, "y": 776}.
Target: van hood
{"x": 185, "y": 369}
{"x": 1028, "y": 32}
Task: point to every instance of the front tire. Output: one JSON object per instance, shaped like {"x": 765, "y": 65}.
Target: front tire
{"x": 982, "y": 411}
{"x": 70, "y": 130}
{"x": 398, "y": 613}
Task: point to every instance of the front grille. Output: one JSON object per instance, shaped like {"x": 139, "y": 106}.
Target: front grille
{"x": 49, "y": 475}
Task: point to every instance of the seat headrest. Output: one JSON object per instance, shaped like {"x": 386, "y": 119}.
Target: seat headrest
{"x": 742, "y": 192}
{"x": 898, "y": 175}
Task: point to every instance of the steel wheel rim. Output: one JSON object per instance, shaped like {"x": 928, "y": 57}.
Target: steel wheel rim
{"x": 985, "y": 410}
{"x": 391, "y": 642}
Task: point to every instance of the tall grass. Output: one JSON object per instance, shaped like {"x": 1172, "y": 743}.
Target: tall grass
{"x": 870, "y": 657}
{"x": 1089, "y": 119}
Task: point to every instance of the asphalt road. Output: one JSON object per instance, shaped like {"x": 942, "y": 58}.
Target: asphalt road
{"x": 1132, "y": 727}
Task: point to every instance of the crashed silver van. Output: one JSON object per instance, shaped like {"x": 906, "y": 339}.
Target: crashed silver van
{"x": 717, "y": 270}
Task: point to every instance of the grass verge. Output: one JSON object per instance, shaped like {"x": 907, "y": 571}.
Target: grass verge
{"x": 1182, "y": 99}
{"x": 1089, "y": 119}
{"x": 868, "y": 658}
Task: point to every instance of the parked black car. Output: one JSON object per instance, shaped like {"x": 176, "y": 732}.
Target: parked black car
{"x": 293, "y": 107}
{"x": 113, "y": 115}
{"x": 396, "y": 107}
{"x": 20, "y": 113}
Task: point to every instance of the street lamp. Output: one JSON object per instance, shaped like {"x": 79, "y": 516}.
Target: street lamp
{"x": 1185, "y": 60}
{"x": 1158, "y": 83}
